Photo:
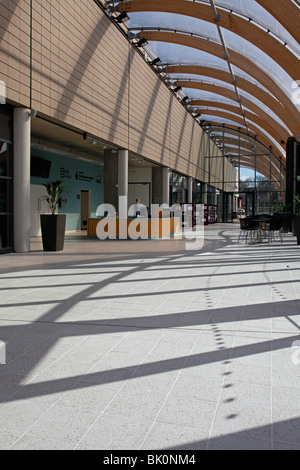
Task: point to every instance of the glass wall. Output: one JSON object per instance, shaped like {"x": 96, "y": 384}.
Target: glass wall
{"x": 178, "y": 188}
{"x": 6, "y": 181}
{"x": 197, "y": 192}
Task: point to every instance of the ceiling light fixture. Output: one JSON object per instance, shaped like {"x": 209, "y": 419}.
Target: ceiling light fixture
{"x": 155, "y": 61}
{"x": 122, "y": 17}
{"x": 142, "y": 42}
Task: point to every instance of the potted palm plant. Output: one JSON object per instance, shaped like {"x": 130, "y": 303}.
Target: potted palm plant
{"x": 53, "y": 225}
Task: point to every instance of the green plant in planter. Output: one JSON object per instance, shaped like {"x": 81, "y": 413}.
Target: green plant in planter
{"x": 54, "y": 189}
{"x": 286, "y": 211}
{"x": 283, "y": 208}
{"x": 53, "y": 225}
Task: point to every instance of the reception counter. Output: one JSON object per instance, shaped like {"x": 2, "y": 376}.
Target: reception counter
{"x": 133, "y": 228}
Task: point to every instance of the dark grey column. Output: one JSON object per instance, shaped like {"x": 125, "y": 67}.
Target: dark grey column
{"x": 166, "y": 186}
{"x": 204, "y": 193}
{"x": 123, "y": 183}
{"x": 111, "y": 178}
{"x": 190, "y": 190}
{"x": 157, "y": 181}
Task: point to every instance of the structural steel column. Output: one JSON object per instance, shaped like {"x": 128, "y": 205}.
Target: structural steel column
{"x": 157, "y": 177}
{"x": 239, "y": 182}
{"x": 224, "y": 198}
{"x": 22, "y": 126}
{"x": 255, "y": 178}
{"x": 111, "y": 178}
{"x": 204, "y": 193}
{"x": 123, "y": 182}
{"x": 290, "y": 156}
{"x": 294, "y": 176}
{"x": 209, "y": 150}
{"x": 214, "y": 197}
{"x": 190, "y": 190}
{"x": 280, "y": 178}
{"x": 270, "y": 186}
{"x": 166, "y": 186}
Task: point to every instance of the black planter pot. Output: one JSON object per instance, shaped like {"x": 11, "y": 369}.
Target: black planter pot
{"x": 53, "y": 231}
{"x": 287, "y": 223}
{"x": 296, "y": 227}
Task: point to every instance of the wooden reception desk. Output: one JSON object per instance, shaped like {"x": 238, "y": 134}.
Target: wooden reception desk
{"x": 134, "y": 228}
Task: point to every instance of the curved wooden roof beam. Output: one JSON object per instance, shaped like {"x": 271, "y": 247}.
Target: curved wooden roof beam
{"x": 243, "y": 148}
{"x": 252, "y": 167}
{"x": 245, "y": 144}
{"x": 248, "y": 115}
{"x": 260, "y": 148}
{"x": 217, "y": 126}
{"x": 231, "y": 129}
{"x": 235, "y": 58}
{"x": 236, "y": 118}
{"x": 234, "y": 23}
{"x": 244, "y": 151}
{"x": 264, "y": 172}
{"x": 278, "y": 132}
{"x": 239, "y": 121}
{"x": 231, "y": 132}
{"x": 243, "y": 84}
{"x": 261, "y": 166}
{"x": 234, "y": 130}
{"x": 285, "y": 13}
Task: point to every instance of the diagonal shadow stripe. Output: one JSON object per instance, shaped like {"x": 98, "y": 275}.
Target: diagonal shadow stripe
{"x": 279, "y": 438}
{"x": 75, "y": 79}
{"x": 151, "y": 368}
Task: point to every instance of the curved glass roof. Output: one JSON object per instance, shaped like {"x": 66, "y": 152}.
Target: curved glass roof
{"x": 243, "y": 93}
{"x": 247, "y": 49}
{"x": 251, "y": 9}
{"x": 185, "y": 24}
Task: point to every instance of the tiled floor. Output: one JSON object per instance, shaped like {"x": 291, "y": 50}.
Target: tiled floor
{"x": 149, "y": 345}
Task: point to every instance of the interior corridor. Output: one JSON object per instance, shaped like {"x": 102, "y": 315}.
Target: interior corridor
{"x": 150, "y": 345}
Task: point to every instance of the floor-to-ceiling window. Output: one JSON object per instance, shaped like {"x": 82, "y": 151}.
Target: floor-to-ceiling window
{"x": 6, "y": 180}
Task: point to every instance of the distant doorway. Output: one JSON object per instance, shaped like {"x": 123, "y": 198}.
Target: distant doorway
{"x": 85, "y": 198}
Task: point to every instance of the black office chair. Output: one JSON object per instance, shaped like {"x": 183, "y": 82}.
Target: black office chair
{"x": 248, "y": 228}
{"x": 243, "y": 231}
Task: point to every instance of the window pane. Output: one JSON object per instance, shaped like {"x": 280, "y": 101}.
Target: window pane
{"x": 5, "y": 195}
{"x": 5, "y": 232}
{"x": 5, "y": 160}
